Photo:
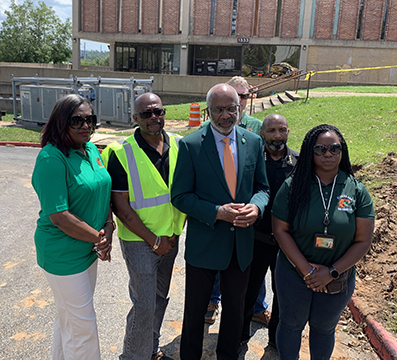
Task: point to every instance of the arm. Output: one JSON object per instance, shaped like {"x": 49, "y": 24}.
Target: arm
{"x": 362, "y": 242}
{"x": 122, "y": 209}
{"x": 289, "y": 247}
{"x": 105, "y": 246}
{"x": 75, "y": 227}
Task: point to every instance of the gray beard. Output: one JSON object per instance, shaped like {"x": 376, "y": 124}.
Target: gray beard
{"x": 277, "y": 147}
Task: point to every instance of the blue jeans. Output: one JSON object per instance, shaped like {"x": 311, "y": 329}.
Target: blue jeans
{"x": 150, "y": 277}
{"x": 260, "y": 304}
{"x": 299, "y": 305}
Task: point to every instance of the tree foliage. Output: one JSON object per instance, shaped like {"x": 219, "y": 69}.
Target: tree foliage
{"x": 96, "y": 58}
{"x": 34, "y": 34}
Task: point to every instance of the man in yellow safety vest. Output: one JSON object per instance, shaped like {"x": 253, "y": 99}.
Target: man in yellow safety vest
{"x": 142, "y": 169}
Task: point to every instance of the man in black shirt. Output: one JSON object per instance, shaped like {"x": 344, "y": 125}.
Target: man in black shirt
{"x": 142, "y": 168}
{"x": 280, "y": 160}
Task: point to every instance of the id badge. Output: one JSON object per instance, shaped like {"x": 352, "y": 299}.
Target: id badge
{"x": 324, "y": 241}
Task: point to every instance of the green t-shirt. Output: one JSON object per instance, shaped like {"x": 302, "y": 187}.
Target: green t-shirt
{"x": 80, "y": 184}
{"x": 247, "y": 122}
{"x": 350, "y": 200}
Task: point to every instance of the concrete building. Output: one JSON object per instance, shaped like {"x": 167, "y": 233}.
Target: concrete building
{"x": 233, "y": 37}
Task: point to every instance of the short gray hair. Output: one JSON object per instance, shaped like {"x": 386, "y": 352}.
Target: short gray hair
{"x": 215, "y": 88}
{"x": 237, "y": 81}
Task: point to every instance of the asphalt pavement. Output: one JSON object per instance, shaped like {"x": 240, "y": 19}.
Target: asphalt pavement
{"x": 27, "y": 308}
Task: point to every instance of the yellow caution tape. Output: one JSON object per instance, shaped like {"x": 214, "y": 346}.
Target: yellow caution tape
{"x": 311, "y": 73}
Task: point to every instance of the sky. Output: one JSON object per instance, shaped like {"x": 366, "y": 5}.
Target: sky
{"x": 63, "y": 8}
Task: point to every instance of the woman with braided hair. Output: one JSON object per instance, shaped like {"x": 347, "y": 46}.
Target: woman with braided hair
{"x": 323, "y": 232}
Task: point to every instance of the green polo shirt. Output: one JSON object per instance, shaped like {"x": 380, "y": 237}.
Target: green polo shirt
{"x": 77, "y": 183}
{"x": 350, "y": 200}
{"x": 247, "y": 122}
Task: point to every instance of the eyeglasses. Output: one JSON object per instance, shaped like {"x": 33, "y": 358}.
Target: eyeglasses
{"x": 321, "y": 150}
{"x": 77, "y": 121}
{"x": 148, "y": 113}
{"x": 217, "y": 110}
{"x": 244, "y": 96}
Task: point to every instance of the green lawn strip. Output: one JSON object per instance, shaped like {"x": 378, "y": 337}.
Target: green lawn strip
{"x": 358, "y": 89}
{"x": 20, "y": 134}
{"x": 181, "y": 111}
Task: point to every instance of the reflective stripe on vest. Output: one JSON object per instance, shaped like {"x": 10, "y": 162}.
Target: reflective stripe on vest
{"x": 140, "y": 202}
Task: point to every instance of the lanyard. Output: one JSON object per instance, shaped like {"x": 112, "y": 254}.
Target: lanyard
{"x": 326, "y": 221}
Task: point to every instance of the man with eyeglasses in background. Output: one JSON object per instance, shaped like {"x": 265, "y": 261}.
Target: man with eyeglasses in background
{"x": 142, "y": 169}
{"x": 220, "y": 183}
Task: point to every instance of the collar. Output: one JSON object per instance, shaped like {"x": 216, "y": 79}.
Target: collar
{"x": 218, "y": 136}
{"x": 341, "y": 179}
{"x": 243, "y": 121}
{"x": 142, "y": 142}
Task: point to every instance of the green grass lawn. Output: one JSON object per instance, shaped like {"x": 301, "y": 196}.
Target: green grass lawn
{"x": 359, "y": 89}
{"x": 369, "y": 124}
{"x": 20, "y": 134}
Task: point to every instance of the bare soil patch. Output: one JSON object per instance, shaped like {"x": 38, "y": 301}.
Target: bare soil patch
{"x": 377, "y": 271}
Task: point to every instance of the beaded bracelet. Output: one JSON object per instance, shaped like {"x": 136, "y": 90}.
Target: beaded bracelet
{"x": 309, "y": 273}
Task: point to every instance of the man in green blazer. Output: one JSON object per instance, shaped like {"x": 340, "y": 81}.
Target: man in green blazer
{"x": 220, "y": 214}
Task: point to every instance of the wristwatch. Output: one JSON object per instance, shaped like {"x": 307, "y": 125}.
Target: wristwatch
{"x": 334, "y": 273}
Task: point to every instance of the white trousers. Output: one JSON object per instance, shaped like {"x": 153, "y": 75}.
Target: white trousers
{"x": 75, "y": 328}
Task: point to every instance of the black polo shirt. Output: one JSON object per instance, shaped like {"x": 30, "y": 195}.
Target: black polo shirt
{"x": 277, "y": 172}
{"x": 161, "y": 162}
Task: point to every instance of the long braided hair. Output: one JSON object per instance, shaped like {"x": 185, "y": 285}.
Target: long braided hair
{"x": 299, "y": 191}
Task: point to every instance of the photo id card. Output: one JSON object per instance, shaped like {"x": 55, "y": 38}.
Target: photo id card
{"x": 322, "y": 241}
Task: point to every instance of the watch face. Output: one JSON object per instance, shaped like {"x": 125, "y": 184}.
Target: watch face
{"x": 334, "y": 273}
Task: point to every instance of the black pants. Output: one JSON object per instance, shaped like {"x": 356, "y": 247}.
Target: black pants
{"x": 199, "y": 283}
{"x": 265, "y": 256}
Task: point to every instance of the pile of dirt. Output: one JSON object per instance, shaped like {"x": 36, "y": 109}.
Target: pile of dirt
{"x": 377, "y": 272}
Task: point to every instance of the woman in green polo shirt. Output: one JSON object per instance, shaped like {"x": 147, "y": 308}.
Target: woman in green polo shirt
{"x": 323, "y": 232}
{"x": 75, "y": 223}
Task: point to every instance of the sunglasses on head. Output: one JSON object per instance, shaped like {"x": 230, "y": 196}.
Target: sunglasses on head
{"x": 148, "y": 113}
{"x": 244, "y": 96}
{"x": 321, "y": 150}
{"x": 77, "y": 121}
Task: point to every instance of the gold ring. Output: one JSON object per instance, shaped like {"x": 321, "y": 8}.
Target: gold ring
{"x": 248, "y": 224}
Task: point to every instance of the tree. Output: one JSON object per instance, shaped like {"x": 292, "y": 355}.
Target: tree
{"x": 34, "y": 34}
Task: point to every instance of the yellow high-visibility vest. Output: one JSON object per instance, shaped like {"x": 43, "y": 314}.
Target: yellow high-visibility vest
{"x": 149, "y": 195}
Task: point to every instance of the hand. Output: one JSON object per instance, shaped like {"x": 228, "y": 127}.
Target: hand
{"x": 104, "y": 246}
{"x": 228, "y": 212}
{"x": 173, "y": 239}
{"x": 247, "y": 216}
{"x": 319, "y": 279}
{"x": 166, "y": 245}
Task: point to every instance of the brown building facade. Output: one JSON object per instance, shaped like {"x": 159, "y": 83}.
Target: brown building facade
{"x": 233, "y": 37}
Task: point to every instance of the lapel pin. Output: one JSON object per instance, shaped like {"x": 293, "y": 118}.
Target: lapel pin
{"x": 243, "y": 140}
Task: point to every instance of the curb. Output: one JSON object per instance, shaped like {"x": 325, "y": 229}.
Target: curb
{"x": 380, "y": 338}
{"x": 19, "y": 143}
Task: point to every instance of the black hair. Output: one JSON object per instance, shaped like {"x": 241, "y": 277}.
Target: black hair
{"x": 299, "y": 191}
{"x": 55, "y": 131}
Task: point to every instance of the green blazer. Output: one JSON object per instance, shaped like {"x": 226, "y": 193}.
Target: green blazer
{"x": 199, "y": 189}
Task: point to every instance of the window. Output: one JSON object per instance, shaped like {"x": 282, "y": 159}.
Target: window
{"x": 269, "y": 60}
